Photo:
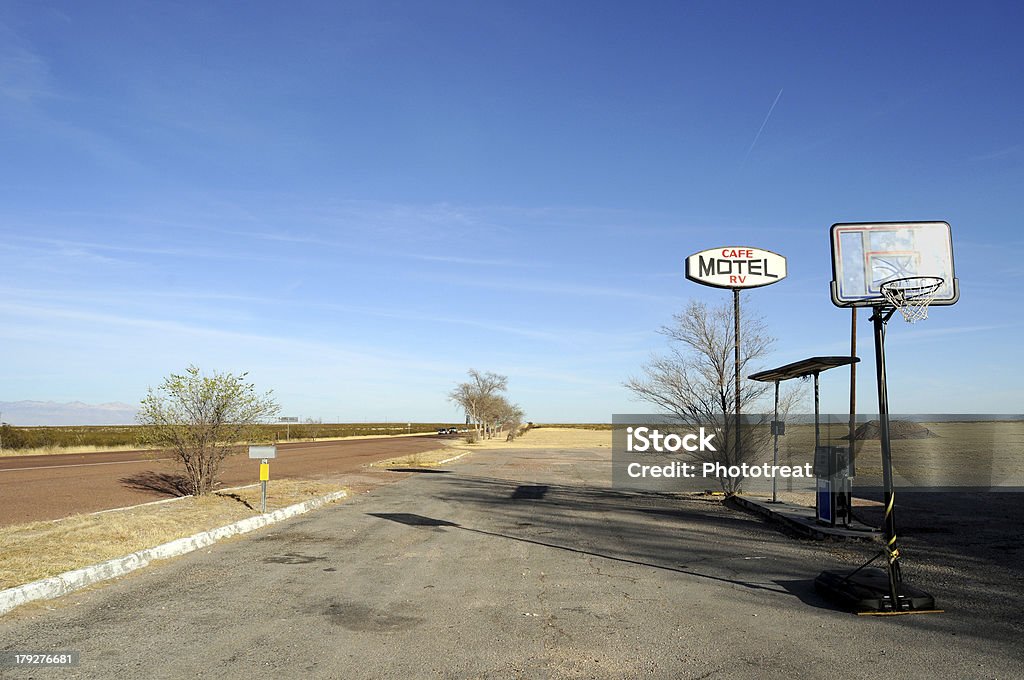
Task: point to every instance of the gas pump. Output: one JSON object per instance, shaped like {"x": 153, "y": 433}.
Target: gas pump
{"x": 834, "y": 471}
{"x": 833, "y": 465}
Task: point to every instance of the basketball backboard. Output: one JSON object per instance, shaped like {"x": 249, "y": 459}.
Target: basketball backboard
{"x": 864, "y": 256}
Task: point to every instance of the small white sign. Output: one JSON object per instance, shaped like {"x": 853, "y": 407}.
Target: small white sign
{"x": 736, "y": 267}
{"x": 263, "y": 452}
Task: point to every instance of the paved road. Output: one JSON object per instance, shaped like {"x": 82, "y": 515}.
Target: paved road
{"x": 519, "y": 564}
{"x": 36, "y": 488}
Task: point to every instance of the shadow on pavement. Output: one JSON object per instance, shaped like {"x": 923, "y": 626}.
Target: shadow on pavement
{"x": 429, "y": 471}
{"x": 804, "y": 590}
{"x": 592, "y": 496}
{"x": 409, "y": 519}
{"x": 702, "y": 537}
{"x": 529, "y": 492}
{"x": 952, "y": 525}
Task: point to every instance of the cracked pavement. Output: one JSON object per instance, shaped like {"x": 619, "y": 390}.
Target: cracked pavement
{"x": 520, "y": 564}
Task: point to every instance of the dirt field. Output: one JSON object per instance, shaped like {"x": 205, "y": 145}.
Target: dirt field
{"x": 58, "y": 450}
{"x": 959, "y": 454}
{"x": 51, "y": 487}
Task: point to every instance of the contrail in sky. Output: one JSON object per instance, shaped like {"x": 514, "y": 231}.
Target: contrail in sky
{"x": 761, "y": 129}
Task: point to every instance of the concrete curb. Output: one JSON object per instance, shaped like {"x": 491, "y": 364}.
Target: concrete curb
{"x": 453, "y": 458}
{"x": 801, "y": 520}
{"x": 70, "y": 581}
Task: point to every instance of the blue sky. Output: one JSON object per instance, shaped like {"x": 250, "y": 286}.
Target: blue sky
{"x": 356, "y": 202}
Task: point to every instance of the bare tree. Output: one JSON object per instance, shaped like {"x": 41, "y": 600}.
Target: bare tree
{"x": 201, "y": 419}
{"x": 511, "y": 416}
{"x": 312, "y": 427}
{"x": 475, "y": 397}
{"x": 498, "y": 413}
{"x": 695, "y": 383}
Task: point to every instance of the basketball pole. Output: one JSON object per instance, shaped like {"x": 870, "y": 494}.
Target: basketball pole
{"x": 853, "y": 378}
{"x": 851, "y": 456}
{"x": 880, "y": 317}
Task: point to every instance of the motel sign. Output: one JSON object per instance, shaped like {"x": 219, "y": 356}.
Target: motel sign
{"x": 736, "y": 267}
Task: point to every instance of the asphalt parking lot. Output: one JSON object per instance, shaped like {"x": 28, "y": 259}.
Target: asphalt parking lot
{"x": 524, "y": 564}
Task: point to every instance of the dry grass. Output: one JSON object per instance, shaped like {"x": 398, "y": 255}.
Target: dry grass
{"x": 547, "y": 438}
{"x": 431, "y": 458}
{"x": 53, "y": 450}
{"x": 537, "y": 438}
{"x": 42, "y": 549}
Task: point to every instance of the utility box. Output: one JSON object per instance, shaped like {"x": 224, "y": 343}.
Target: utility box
{"x": 834, "y": 472}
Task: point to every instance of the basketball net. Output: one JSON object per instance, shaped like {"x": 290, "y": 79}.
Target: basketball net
{"x": 912, "y": 295}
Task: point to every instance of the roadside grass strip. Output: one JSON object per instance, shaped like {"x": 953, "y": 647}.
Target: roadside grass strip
{"x": 542, "y": 438}
{"x": 43, "y": 560}
{"x": 446, "y": 454}
{"x": 545, "y": 438}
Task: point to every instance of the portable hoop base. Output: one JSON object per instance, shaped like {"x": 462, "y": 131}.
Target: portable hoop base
{"x": 868, "y": 591}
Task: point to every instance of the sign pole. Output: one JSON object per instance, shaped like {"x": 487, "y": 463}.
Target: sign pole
{"x": 263, "y": 484}
{"x": 735, "y": 268}
{"x": 736, "y": 362}
{"x": 264, "y": 454}
{"x": 775, "y": 452}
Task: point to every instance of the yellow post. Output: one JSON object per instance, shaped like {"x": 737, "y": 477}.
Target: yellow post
{"x": 264, "y": 477}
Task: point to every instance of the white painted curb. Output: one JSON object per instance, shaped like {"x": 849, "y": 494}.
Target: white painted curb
{"x": 69, "y": 581}
{"x": 453, "y": 458}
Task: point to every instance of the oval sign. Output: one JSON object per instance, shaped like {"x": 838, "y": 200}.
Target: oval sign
{"x": 736, "y": 267}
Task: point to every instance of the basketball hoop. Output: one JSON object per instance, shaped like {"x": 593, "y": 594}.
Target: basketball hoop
{"x": 912, "y": 295}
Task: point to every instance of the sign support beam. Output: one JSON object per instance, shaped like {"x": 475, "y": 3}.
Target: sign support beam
{"x": 264, "y": 466}
{"x": 736, "y": 366}
{"x": 264, "y": 454}
{"x": 775, "y": 447}
{"x": 736, "y": 268}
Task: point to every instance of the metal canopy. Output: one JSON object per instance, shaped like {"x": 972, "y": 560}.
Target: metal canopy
{"x": 804, "y": 367}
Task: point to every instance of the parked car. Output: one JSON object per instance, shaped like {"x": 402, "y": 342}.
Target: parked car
{"x": 442, "y": 430}
{"x": 453, "y": 430}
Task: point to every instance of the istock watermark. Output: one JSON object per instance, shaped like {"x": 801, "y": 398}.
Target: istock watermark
{"x": 930, "y": 452}
{"x": 643, "y": 439}
{"x": 652, "y": 440}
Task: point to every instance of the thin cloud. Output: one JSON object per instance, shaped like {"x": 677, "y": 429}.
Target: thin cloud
{"x": 285, "y": 237}
{"x": 554, "y": 336}
{"x": 24, "y": 75}
{"x": 298, "y": 347}
{"x": 998, "y": 153}
{"x": 83, "y": 248}
{"x": 454, "y": 259}
{"x": 761, "y": 129}
{"x": 552, "y": 288}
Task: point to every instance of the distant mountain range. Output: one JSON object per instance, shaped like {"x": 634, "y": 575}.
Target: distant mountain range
{"x": 31, "y": 413}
